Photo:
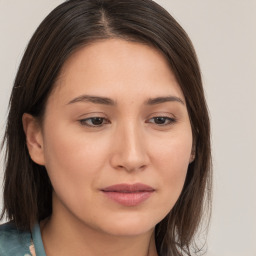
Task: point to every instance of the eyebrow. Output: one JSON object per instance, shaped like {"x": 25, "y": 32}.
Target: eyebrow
{"x": 110, "y": 102}
{"x": 93, "y": 99}
{"x": 159, "y": 100}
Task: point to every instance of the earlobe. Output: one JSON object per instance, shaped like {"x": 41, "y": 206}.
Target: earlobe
{"x": 34, "y": 138}
{"x": 192, "y": 158}
{"x": 193, "y": 154}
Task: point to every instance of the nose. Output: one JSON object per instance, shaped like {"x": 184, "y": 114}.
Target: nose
{"x": 129, "y": 151}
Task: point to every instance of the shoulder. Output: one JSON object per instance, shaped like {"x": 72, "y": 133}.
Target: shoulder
{"x": 13, "y": 241}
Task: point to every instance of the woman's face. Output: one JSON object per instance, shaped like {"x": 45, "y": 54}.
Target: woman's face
{"x": 116, "y": 116}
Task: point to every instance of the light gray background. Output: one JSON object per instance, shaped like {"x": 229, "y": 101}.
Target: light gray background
{"x": 224, "y": 35}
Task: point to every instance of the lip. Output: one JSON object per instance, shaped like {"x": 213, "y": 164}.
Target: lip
{"x": 128, "y": 194}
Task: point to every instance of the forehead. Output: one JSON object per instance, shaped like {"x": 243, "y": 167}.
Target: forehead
{"x": 114, "y": 68}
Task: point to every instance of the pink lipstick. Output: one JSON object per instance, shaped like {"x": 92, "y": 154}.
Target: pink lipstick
{"x": 128, "y": 194}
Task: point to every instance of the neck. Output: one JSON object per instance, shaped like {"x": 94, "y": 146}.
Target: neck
{"x": 64, "y": 236}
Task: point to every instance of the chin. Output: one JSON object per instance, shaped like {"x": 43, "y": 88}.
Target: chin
{"x": 132, "y": 225}
{"x": 125, "y": 230}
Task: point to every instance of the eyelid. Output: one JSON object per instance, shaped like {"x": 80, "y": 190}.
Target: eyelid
{"x": 91, "y": 115}
{"x": 161, "y": 114}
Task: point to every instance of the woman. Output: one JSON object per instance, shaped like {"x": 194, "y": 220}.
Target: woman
{"x": 108, "y": 138}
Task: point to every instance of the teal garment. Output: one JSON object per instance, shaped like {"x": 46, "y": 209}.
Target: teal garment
{"x": 14, "y": 242}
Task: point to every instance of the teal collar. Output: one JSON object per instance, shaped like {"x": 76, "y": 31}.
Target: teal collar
{"x": 37, "y": 240}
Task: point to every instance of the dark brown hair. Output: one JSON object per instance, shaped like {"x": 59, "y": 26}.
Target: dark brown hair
{"x": 72, "y": 25}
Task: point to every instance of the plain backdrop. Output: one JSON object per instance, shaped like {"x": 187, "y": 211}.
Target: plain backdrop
{"x": 224, "y": 36}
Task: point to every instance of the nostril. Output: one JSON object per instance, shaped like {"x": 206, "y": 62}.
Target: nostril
{"x": 131, "y": 169}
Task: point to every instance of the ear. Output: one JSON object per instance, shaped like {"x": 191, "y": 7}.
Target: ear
{"x": 34, "y": 138}
{"x": 193, "y": 153}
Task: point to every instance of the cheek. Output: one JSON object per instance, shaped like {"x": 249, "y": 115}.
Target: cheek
{"x": 74, "y": 164}
{"x": 71, "y": 151}
{"x": 73, "y": 160}
{"x": 173, "y": 152}
{"x": 171, "y": 161}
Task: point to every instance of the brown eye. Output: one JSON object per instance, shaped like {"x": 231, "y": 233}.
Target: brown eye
{"x": 163, "y": 120}
{"x": 93, "y": 121}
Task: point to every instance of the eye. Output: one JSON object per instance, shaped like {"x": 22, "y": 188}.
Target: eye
{"x": 163, "y": 120}
{"x": 94, "y": 121}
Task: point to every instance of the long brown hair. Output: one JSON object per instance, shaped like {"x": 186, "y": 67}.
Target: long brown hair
{"x": 72, "y": 25}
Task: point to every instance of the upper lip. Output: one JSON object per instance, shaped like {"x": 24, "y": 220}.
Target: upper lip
{"x": 128, "y": 188}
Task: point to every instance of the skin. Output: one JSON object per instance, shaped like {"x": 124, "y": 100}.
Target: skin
{"x": 129, "y": 147}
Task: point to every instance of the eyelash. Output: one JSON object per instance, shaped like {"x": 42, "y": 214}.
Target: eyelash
{"x": 83, "y": 121}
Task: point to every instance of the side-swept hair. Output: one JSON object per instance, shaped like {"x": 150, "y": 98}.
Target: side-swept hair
{"x": 72, "y": 25}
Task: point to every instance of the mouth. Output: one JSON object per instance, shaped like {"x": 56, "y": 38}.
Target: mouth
{"x": 128, "y": 194}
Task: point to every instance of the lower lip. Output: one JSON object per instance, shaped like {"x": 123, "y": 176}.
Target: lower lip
{"x": 129, "y": 199}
